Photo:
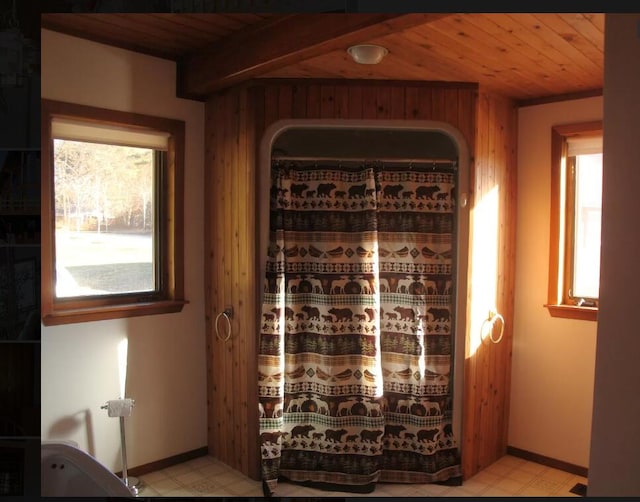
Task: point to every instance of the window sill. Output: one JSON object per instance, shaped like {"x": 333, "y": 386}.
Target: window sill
{"x": 103, "y": 313}
{"x": 573, "y": 312}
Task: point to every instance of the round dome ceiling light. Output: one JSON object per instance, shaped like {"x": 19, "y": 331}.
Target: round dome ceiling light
{"x": 367, "y": 53}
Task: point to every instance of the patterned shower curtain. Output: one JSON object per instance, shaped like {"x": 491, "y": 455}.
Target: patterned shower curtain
{"x": 357, "y": 326}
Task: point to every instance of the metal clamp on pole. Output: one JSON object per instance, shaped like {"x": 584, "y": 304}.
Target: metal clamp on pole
{"x": 227, "y": 314}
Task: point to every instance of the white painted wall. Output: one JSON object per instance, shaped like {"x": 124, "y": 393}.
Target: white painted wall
{"x": 614, "y": 467}
{"x": 553, "y": 358}
{"x": 166, "y": 353}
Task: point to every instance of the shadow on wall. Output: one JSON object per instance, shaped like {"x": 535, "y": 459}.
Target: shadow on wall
{"x": 69, "y": 425}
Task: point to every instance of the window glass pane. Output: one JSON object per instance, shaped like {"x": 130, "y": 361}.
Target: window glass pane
{"x": 104, "y": 219}
{"x": 588, "y": 210}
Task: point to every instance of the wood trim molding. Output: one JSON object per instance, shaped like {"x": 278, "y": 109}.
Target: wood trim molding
{"x": 592, "y": 93}
{"x": 556, "y": 300}
{"x": 557, "y": 151}
{"x": 548, "y": 461}
{"x": 267, "y": 47}
{"x": 69, "y": 316}
{"x": 166, "y": 462}
{"x": 582, "y": 129}
{"x": 573, "y": 312}
{"x": 170, "y": 297}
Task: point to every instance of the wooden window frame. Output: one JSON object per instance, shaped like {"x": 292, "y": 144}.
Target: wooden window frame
{"x": 170, "y": 297}
{"x": 560, "y": 259}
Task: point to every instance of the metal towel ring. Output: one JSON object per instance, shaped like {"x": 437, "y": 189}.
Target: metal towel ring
{"x": 492, "y": 319}
{"x": 227, "y": 314}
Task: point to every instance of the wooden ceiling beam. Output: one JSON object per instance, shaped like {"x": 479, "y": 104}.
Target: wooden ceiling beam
{"x": 281, "y": 41}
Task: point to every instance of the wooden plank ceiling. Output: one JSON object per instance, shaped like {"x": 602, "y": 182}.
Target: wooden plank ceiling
{"x": 522, "y": 56}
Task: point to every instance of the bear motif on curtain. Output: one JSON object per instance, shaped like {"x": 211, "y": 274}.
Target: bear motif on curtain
{"x": 355, "y": 353}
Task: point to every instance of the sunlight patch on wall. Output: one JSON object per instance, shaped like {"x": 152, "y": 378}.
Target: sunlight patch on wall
{"x": 123, "y": 349}
{"x": 484, "y": 266}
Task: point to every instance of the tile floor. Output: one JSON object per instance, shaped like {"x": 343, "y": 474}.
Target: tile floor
{"x": 509, "y": 476}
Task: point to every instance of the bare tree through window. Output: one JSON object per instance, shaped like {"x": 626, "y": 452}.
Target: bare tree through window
{"x": 104, "y": 218}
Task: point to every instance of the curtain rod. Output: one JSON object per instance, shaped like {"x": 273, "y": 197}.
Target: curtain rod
{"x": 352, "y": 159}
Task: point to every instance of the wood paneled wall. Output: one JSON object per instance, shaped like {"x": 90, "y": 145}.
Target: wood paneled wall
{"x": 487, "y": 372}
{"x": 231, "y": 280}
{"x": 235, "y": 122}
